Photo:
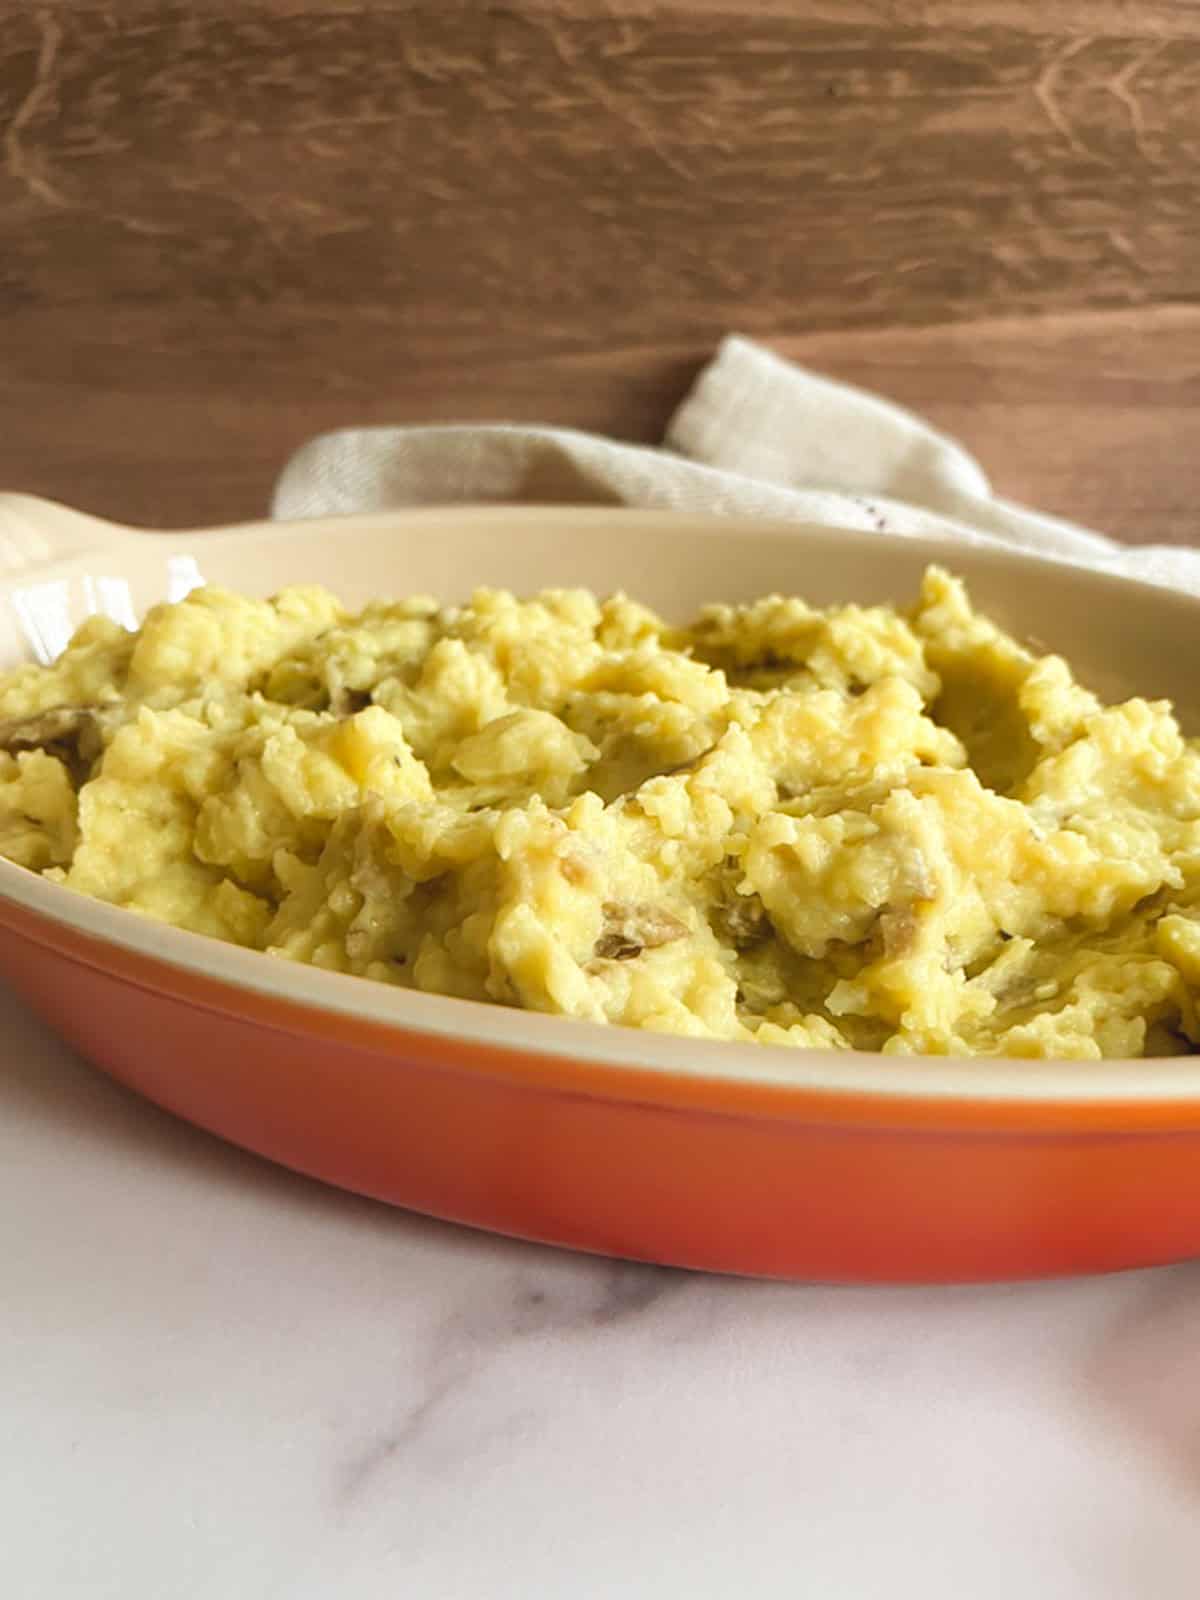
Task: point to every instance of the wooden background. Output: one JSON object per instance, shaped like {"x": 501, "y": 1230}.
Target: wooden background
{"x": 228, "y": 224}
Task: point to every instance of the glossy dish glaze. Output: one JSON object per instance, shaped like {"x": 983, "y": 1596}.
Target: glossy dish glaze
{"x": 721, "y": 1156}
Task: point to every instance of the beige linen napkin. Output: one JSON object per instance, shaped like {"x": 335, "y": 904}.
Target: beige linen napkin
{"x": 756, "y": 435}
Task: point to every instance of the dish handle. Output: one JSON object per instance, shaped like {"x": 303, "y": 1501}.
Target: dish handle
{"x": 36, "y": 533}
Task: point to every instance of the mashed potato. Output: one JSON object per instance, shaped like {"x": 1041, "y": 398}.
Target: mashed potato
{"x": 849, "y": 829}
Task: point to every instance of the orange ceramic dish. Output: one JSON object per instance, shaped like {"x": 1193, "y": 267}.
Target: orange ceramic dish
{"x": 742, "y": 1159}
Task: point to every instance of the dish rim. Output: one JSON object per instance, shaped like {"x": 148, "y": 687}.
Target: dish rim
{"x": 668, "y": 1069}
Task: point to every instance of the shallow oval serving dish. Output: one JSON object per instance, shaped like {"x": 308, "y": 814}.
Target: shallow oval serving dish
{"x": 734, "y": 1158}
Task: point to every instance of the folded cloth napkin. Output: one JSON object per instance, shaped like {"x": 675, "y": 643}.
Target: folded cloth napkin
{"x": 756, "y": 435}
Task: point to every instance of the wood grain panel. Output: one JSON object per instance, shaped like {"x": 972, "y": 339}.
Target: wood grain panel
{"x": 223, "y": 226}
{"x": 501, "y": 171}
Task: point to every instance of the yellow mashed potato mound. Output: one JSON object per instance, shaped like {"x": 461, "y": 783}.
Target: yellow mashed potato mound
{"x": 851, "y": 828}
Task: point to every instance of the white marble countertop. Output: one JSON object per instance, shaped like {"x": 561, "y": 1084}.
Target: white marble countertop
{"x": 218, "y": 1380}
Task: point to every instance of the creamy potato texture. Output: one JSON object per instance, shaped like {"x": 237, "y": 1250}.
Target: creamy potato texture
{"x": 851, "y": 828}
